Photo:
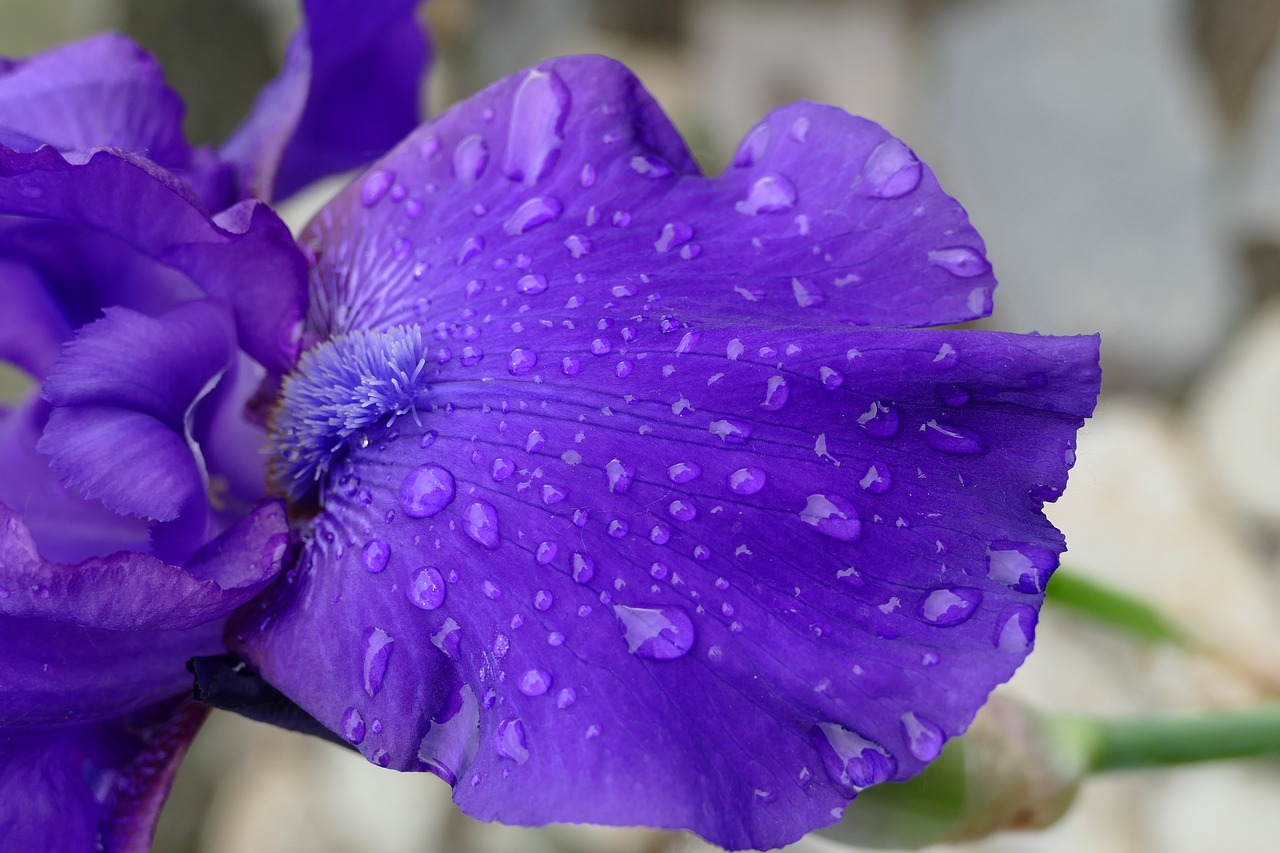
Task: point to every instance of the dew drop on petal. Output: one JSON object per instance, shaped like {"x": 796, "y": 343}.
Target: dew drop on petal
{"x": 375, "y": 186}
{"x": 542, "y": 600}
{"x": 531, "y": 214}
{"x": 852, "y": 761}
{"x": 682, "y": 472}
{"x": 521, "y": 361}
{"x": 1019, "y": 565}
{"x": 656, "y": 633}
{"x": 470, "y": 157}
{"x": 501, "y": 469}
{"x": 746, "y": 481}
{"x": 1015, "y": 630}
{"x": 753, "y": 147}
{"x": 880, "y": 421}
{"x": 960, "y": 261}
{"x": 536, "y": 132}
{"x": 511, "y": 742}
{"x": 833, "y": 516}
{"x": 546, "y": 552}
{"x": 776, "y": 393}
{"x": 531, "y": 285}
{"x": 482, "y": 523}
{"x": 426, "y": 588}
{"x": 620, "y": 476}
{"x": 891, "y": 171}
{"x": 584, "y": 568}
{"x": 566, "y": 697}
{"x": 947, "y": 606}
{"x": 924, "y": 738}
{"x": 952, "y": 439}
{"x": 377, "y": 654}
{"x": 877, "y": 480}
{"x": 535, "y": 682}
{"x": 768, "y": 194}
{"x": 830, "y": 377}
{"x": 682, "y": 510}
{"x": 426, "y": 490}
{"x": 375, "y": 555}
{"x": 352, "y": 726}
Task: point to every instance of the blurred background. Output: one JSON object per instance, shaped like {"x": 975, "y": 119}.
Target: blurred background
{"x": 1121, "y": 159}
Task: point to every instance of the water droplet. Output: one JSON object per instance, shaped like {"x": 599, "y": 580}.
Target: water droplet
{"x": 542, "y": 600}
{"x": 374, "y": 555}
{"x": 535, "y": 442}
{"x": 776, "y": 393}
{"x": 947, "y": 606}
{"x": 587, "y": 177}
{"x": 511, "y": 741}
{"x": 852, "y": 761}
{"x": 566, "y": 697}
{"x": 807, "y": 294}
{"x": 552, "y": 495}
{"x": 428, "y": 438}
{"x": 555, "y": 638}
{"x": 426, "y": 588}
{"x": 490, "y": 590}
{"x": 531, "y": 214}
{"x": 470, "y": 158}
{"x": 1020, "y": 565}
{"x": 952, "y": 439}
{"x": 584, "y": 568}
{"x": 924, "y": 738}
{"x": 471, "y": 355}
{"x": 682, "y": 510}
{"x": 521, "y": 361}
{"x": 769, "y": 194}
{"x": 536, "y": 132}
{"x": 578, "y": 246}
{"x": 501, "y": 469}
{"x": 879, "y": 420}
{"x": 947, "y": 356}
{"x": 618, "y": 528}
{"x": 375, "y": 186}
{"x": 1015, "y": 630}
{"x": 546, "y": 552}
{"x": 960, "y": 261}
{"x": 660, "y": 534}
{"x": 649, "y": 166}
{"x": 377, "y": 653}
{"x": 746, "y": 481}
{"x": 830, "y": 377}
{"x": 877, "y": 479}
{"x": 730, "y": 432}
{"x": 682, "y": 472}
{"x": 656, "y": 633}
{"x": 535, "y": 682}
{"x": 891, "y": 171}
{"x": 620, "y": 476}
{"x": 753, "y": 147}
{"x": 531, "y": 285}
{"x": 674, "y": 234}
{"x": 352, "y": 726}
{"x": 426, "y": 490}
{"x": 482, "y": 523}
{"x": 834, "y": 516}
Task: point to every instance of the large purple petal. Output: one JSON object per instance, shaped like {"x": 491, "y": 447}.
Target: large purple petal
{"x": 111, "y": 635}
{"x": 102, "y": 92}
{"x": 630, "y": 522}
{"x": 32, "y": 328}
{"x": 244, "y": 257}
{"x": 348, "y": 91}
{"x": 93, "y": 787}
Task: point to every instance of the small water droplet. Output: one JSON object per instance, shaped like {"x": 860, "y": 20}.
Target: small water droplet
{"x": 578, "y": 246}
{"x": 352, "y": 726}
{"x": 426, "y": 588}
{"x": 649, "y": 166}
{"x": 656, "y": 633}
{"x": 531, "y": 214}
{"x": 768, "y": 194}
{"x": 546, "y": 552}
{"x": 674, "y": 234}
{"x": 482, "y": 523}
{"x": 753, "y": 147}
{"x": 428, "y": 438}
{"x": 852, "y": 761}
{"x": 620, "y": 476}
{"x": 375, "y": 186}
{"x": 952, "y": 439}
{"x": 566, "y": 697}
{"x": 682, "y": 472}
{"x": 535, "y": 682}
{"x": 1020, "y": 565}
{"x": 947, "y": 606}
{"x": 374, "y": 555}
{"x": 834, "y": 516}
{"x": 747, "y": 481}
{"x": 1015, "y": 630}
{"x": 891, "y": 171}
{"x": 879, "y": 420}
{"x": 470, "y": 157}
{"x": 426, "y": 490}
{"x": 377, "y": 654}
{"x": 584, "y": 568}
{"x": 521, "y": 361}
{"x": 511, "y": 742}
{"x": 960, "y": 261}
{"x": 682, "y": 510}
{"x": 570, "y": 365}
{"x": 730, "y": 432}
{"x": 924, "y": 738}
{"x": 776, "y": 393}
{"x": 552, "y": 495}
{"x": 501, "y": 469}
{"x": 660, "y": 534}
{"x": 806, "y": 293}
{"x": 830, "y": 377}
{"x": 877, "y": 479}
{"x": 531, "y": 285}
{"x": 542, "y": 600}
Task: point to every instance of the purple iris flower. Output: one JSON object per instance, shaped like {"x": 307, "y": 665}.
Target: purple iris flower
{"x": 146, "y": 314}
{"x": 642, "y": 497}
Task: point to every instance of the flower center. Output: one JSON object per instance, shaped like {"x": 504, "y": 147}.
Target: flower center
{"x": 341, "y": 387}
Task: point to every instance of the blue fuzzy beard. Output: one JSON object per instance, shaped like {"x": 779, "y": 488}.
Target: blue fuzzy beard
{"x": 341, "y": 387}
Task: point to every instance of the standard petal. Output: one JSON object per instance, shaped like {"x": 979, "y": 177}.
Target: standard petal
{"x": 244, "y": 257}
{"x": 93, "y": 787}
{"x": 102, "y": 92}
{"x": 109, "y": 636}
{"x": 566, "y": 184}
{"x": 348, "y": 91}
{"x": 718, "y": 579}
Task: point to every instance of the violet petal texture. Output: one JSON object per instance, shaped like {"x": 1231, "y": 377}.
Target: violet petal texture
{"x": 641, "y": 497}
{"x": 348, "y": 91}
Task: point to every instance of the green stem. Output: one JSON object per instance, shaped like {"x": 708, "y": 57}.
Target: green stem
{"x": 1180, "y": 739}
{"x": 1113, "y": 608}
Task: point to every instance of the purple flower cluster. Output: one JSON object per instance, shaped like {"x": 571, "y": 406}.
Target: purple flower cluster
{"x": 619, "y": 494}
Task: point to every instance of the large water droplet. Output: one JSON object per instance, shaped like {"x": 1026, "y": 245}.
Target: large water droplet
{"x": 924, "y": 738}
{"x": 469, "y": 158}
{"x": 879, "y": 420}
{"x": 375, "y": 186}
{"x": 542, "y": 600}
{"x": 531, "y": 285}
{"x": 352, "y": 726}
{"x": 769, "y": 194}
{"x": 891, "y": 171}
{"x": 1020, "y": 565}
{"x": 753, "y": 146}
{"x": 833, "y": 516}
{"x": 620, "y": 476}
{"x": 674, "y": 235}
{"x": 426, "y": 588}
{"x": 656, "y": 633}
{"x": 377, "y": 653}
{"x": 852, "y": 761}
{"x": 730, "y": 432}
{"x": 521, "y": 361}
{"x": 1015, "y": 630}
{"x": 510, "y": 741}
{"x": 535, "y": 682}
{"x": 426, "y": 490}
{"x": 501, "y": 469}
{"x": 776, "y": 393}
{"x": 960, "y": 261}
{"x": 952, "y": 439}
{"x": 947, "y": 606}
{"x": 531, "y": 214}
{"x": 536, "y": 132}
{"x": 747, "y": 481}
{"x": 375, "y": 555}
{"x": 584, "y": 568}
{"x": 877, "y": 479}
{"x": 682, "y": 472}
{"x": 482, "y": 523}
{"x": 682, "y": 510}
